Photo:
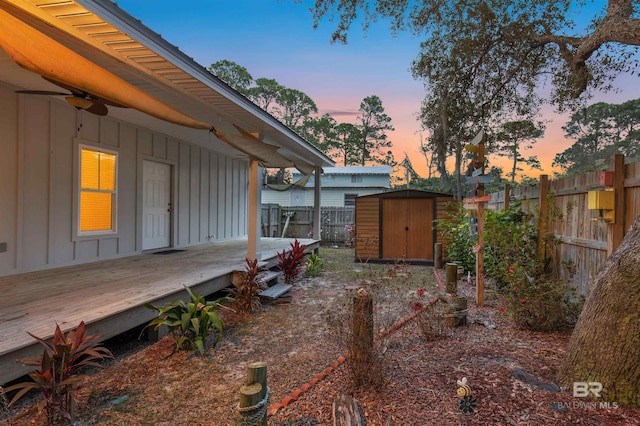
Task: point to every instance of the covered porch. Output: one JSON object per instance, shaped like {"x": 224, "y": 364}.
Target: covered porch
{"x": 109, "y": 296}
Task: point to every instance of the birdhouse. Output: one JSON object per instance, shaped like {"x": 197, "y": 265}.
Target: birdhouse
{"x": 606, "y": 178}
{"x": 604, "y": 201}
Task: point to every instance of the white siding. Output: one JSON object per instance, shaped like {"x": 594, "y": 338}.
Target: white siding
{"x": 270, "y": 196}
{"x": 39, "y": 138}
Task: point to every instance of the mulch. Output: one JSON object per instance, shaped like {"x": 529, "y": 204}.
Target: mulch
{"x": 508, "y": 370}
{"x": 510, "y": 373}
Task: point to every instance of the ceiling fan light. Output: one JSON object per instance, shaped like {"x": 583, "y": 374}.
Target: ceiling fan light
{"x": 80, "y": 103}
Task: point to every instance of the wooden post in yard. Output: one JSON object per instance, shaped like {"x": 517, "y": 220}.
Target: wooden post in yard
{"x": 253, "y": 394}
{"x": 452, "y": 278}
{"x": 437, "y": 255}
{"x": 480, "y": 254}
{"x": 479, "y": 201}
{"x": 362, "y": 326}
{"x": 480, "y": 257}
{"x": 615, "y": 231}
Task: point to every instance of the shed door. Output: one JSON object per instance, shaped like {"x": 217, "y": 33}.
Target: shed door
{"x": 407, "y": 228}
{"x": 156, "y": 205}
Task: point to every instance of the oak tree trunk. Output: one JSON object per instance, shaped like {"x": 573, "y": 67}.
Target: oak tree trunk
{"x": 605, "y": 344}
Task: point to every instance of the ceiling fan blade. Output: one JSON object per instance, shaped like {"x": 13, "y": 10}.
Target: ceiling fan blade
{"x": 107, "y": 102}
{"x": 98, "y": 108}
{"x": 82, "y": 93}
{"x": 72, "y": 89}
{"x": 41, "y": 92}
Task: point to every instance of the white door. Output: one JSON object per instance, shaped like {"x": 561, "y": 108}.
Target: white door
{"x": 156, "y": 205}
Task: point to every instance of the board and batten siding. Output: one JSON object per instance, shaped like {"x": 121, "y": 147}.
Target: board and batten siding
{"x": 38, "y": 186}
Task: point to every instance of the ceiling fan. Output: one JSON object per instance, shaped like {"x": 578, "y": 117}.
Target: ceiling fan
{"x": 78, "y": 98}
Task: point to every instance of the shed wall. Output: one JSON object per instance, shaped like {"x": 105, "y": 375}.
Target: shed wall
{"x": 367, "y": 244}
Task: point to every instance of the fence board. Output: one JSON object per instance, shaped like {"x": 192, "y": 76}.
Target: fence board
{"x": 583, "y": 237}
{"x": 334, "y": 220}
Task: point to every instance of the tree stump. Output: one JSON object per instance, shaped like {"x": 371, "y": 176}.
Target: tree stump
{"x": 347, "y": 412}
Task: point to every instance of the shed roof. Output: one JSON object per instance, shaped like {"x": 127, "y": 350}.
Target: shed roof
{"x": 407, "y": 193}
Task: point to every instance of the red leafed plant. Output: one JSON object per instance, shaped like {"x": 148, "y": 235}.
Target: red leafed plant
{"x": 291, "y": 262}
{"x": 246, "y": 295}
{"x": 58, "y": 370}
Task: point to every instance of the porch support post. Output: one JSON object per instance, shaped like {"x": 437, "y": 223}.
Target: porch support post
{"x": 254, "y": 249}
{"x": 316, "y": 203}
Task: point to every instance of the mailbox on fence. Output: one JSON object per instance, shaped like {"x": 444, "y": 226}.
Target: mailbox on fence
{"x": 604, "y": 201}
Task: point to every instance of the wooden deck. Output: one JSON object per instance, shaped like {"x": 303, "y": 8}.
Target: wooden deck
{"x": 109, "y": 296}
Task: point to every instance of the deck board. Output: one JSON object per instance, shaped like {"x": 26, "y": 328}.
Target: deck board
{"x": 109, "y": 295}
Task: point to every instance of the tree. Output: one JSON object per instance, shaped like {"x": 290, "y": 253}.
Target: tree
{"x": 600, "y": 130}
{"x": 321, "y": 132}
{"x": 345, "y": 146}
{"x": 265, "y": 93}
{"x": 628, "y": 122}
{"x": 512, "y": 137}
{"x": 531, "y": 40}
{"x": 233, "y": 74}
{"x": 533, "y": 37}
{"x": 373, "y": 124}
{"x": 605, "y": 344}
{"x": 294, "y": 107}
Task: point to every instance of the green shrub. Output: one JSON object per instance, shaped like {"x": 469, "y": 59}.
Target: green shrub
{"x": 541, "y": 303}
{"x": 314, "y": 265}
{"x": 537, "y": 299}
{"x": 190, "y": 320}
{"x": 58, "y": 374}
{"x": 510, "y": 239}
{"x": 456, "y": 233}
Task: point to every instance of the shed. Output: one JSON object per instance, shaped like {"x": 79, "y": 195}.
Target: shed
{"x": 399, "y": 224}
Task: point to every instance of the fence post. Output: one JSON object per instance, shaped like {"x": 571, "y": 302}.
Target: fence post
{"x": 507, "y": 196}
{"x": 615, "y": 230}
{"x": 543, "y": 190}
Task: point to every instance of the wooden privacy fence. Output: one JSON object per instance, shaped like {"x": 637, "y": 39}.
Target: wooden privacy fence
{"x": 332, "y": 229}
{"x": 586, "y": 239}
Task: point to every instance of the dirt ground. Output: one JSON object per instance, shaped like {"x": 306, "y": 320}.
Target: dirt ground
{"x": 508, "y": 370}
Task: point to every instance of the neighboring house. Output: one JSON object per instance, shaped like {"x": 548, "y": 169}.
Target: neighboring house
{"x": 339, "y": 187}
{"x": 80, "y": 186}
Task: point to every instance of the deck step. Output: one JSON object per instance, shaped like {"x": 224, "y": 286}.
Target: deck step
{"x": 276, "y": 291}
{"x": 269, "y": 276}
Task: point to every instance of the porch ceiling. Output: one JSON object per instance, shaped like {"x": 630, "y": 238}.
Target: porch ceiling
{"x": 117, "y": 42}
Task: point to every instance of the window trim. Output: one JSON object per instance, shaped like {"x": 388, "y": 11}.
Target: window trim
{"x": 352, "y": 196}
{"x": 78, "y": 190}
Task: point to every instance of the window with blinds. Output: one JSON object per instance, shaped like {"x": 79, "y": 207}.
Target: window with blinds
{"x": 97, "y": 191}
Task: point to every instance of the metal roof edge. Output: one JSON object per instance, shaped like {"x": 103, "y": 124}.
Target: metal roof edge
{"x": 110, "y": 11}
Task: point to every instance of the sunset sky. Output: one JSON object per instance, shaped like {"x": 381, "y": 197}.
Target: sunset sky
{"x": 275, "y": 39}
